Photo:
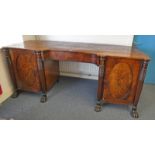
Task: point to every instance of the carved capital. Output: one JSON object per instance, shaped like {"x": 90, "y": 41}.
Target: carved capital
{"x": 102, "y": 60}
{"x": 37, "y": 52}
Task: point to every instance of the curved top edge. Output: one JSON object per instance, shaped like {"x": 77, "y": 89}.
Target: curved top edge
{"x": 91, "y": 48}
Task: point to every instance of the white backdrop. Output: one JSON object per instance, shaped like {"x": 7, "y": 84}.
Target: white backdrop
{"x": 104, "y": 39}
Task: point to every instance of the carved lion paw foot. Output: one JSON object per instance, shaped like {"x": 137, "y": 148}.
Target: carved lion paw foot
{"x": 43, "y": 99}
{"x": 98, "y": 108}
{"x": 134, "y": 114}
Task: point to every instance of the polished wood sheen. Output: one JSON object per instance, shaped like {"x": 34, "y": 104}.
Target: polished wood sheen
{"x": 34, "y": 67}
{"x": 25, "y": 69}
{"x": 89, "y": 48}
{"x": 120, "y": 80}
{"x": 121, "y": 77}
{"x": 51, "y": 73}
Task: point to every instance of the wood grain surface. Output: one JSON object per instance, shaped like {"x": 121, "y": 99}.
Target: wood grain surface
{"x": 98, "y": 49}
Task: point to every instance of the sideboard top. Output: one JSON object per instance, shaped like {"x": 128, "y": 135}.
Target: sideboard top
{"x": 98, "y": 49}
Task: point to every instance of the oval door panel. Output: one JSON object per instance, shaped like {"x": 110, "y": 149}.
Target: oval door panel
{"x": 120, "y": 81}
{"x": 25, "y": 69}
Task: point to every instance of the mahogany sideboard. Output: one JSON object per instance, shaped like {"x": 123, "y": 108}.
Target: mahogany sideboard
{"x": 34, "y": 67}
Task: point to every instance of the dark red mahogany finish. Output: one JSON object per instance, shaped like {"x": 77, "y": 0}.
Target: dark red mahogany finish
{"x": 34, "y": 67}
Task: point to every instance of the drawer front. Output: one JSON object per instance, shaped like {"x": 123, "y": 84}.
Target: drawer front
{"x": 121, "y": 79}
{"x": 71, "y": 56}
{"x": 25, "y": 68}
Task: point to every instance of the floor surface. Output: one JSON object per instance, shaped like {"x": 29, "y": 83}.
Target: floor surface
{"x": 74, "y": 99}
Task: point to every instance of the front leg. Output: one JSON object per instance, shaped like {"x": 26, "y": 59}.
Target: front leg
{"x": 42, "y": 78}
{"x": 100, "y": 102}
{"x": 134, "y": 112}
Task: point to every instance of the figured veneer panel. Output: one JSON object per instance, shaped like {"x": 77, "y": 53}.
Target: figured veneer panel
{"x": 121, "y": 78}
{"x": 25, "y": 69}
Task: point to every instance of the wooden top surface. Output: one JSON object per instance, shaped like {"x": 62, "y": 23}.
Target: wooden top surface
{"x": 98, "y": 49}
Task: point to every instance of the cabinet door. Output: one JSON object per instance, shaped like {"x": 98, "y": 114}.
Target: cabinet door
{"x": 120, "y": 80}
{"x": 25, "y": 69}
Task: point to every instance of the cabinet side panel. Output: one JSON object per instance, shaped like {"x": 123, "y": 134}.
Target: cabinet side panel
{"x": 51, "y": 72}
